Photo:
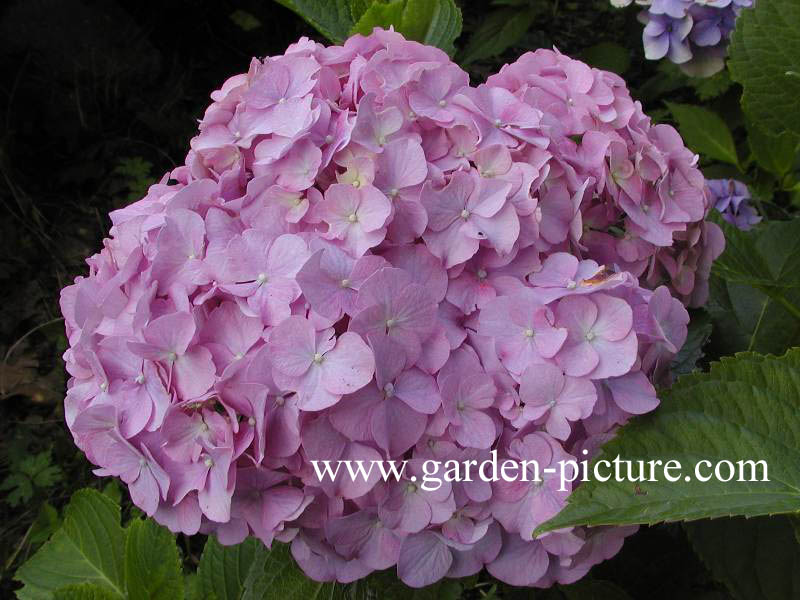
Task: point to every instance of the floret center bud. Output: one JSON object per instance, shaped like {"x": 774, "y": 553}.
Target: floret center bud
{"x": 353, "y": 218}
{"x": 388, "y": 390}
{"x": 279, "y": 401}
{"x": 140, "y": 378}
{"x": 393, "y": 192}
{"x": 262, "y": 278}
{"x": 571, "y": 284}
{"x": 528, "y": 332}
{"x": 104, "y": 386}
{"x": 381, "y": 139}
{"x": 460, "y": 405}
{"x": 345, "y": 283}
{"x": 390, "y": 323}
{"x": 465, "y": 214}
{"x": 411, "y": 488}
{"x": 172, "y": 356}
{"x": 317, "y": 357}
{"x": 497, "y": 122}
{"x": 328, "y": 138}
{"x": 442, "y": 103}
{"x": 482, "y": 274}
{"x": 589, "y": 336}
{"x": 238, "y": 356}
{"x": 209, "y": 462}
{"x": 412, "y": 114}
{"x": 251, "y": 421}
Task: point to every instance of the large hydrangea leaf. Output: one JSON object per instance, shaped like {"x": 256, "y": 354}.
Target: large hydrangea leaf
{"x": 765, "y": 59}
{"x": 758, "y": 559}
{"x": 89, "y": 548}
{"x": 744, "y": 409}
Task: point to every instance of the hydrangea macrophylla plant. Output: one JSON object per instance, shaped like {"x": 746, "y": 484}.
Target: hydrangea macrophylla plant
{"x": 691, "y": 33}
{"x": 365, "y": 258}
{"x": 732, "y": 199}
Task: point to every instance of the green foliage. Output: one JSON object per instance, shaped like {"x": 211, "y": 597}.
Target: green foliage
{"x": 758, "y": 559}
{"x": 274, "y": 574}
{"x": 244, "y": 20}
{"x": 691, "y": 352}
{"x": 500, "y": 30}
{"x": 433, "y": 22}
{"x": 88, "y": 548}
{"x": 332, "y": 18}
{"x": 608, "y": 56}
{"x": 223, "y": 569}
{"x": 744, "y": 409}
{"x": 775, "y": 154}
{"x": 152, "y": 564}
{"x": 705, "y": 132}
{"x": 35, "y": 472}
{"x": 765, "y": 59}
{"x": 767, "y": 260}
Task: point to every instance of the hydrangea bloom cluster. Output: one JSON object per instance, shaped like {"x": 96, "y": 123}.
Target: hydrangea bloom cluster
{"x": 691, "y": 33}
{"x": 366, "y": 258}
{"x": 732, "y": 199}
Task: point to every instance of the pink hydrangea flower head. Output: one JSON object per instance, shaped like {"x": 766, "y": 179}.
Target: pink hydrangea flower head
{"x": 365, "y": 258}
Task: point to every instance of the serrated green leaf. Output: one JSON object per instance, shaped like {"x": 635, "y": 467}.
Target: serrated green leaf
{"x": 46, "y": 524}
{"x": 776, "y": 154}
{"x": 89, "y": 548}
{"x": 757, "y": 559}
{"x": 745, "y": 318}
{"x": 358, "y": 8}
{"x": 152, "y": 565}
{"x": 433, "y": 22}
{"x": 223, "y": 569}
{"x": 744, "y": 409}
{"x": 765, "y": 59}
{"x": 500, "y": 30}
{"x": 332, "y": 18}
{"x": 83, "y": 591}
{"x": 593, "y": 589}
{"x": 380, "y": 14}
{"x": 608, "y": 56}
{"x": 274, "y": 574}
{"x": 767, "y": 258}
{"x": 705, "y": 132}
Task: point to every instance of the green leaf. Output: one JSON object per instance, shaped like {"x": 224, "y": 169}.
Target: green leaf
{"x": 692, "y": 350}
{"x": 46, "y": 524}
{"x": 757, "y": 559}
{"x": 765, "y": 59}
{"x": 500, "y": 30}
{"x": 608, "y": 56}
{"x": 705, "y": 132}
{"x": 223, "y": 569}
{"x": 332, "y": 18}
{"x": 776, "y": 154}
{"x": 767, "y": 259}
{"x": 433, "y": 22}
{"x": 745, "y": 318}
{"x": 358, "y": 8}
{"x": 593, "y": 589}
{"x": 244, "y": 20}
{"x": 89, "y": 548}
{"x": 152, "y": 565}
{"x": 744, "y": 409}
{"x": 83, "y": 591}
{"x": 380, "y": 14}
{"x": 274, "y": 574}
